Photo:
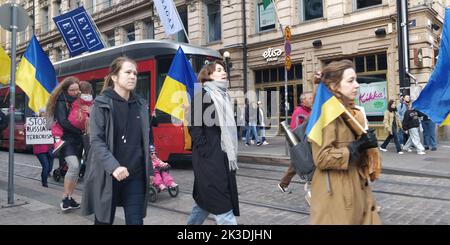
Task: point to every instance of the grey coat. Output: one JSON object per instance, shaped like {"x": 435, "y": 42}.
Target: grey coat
{"x": 98, "y": 187}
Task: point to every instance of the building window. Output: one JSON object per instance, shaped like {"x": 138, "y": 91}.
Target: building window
{"x": 311, "y": 9}
{"x": 58, "y": 54}
{"x": 73, "y": 4}
{"x": 181, "y": 37}
{"x": 108, "y": 3}
{"x": 266, "y": 17}
{"x": 214, "y": 21}
{"x": 276, "y": 74}
{"x": 366, "y": 3}
{"x": 149, "y": 31}
{"x": 57, "y": 7}
{"x": 44, "y": 19}
{"x": 130, "y": 34}
{"x": 110, "y": 38}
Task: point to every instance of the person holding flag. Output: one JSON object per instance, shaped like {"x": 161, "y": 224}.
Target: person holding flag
{"x": 214, "y": 149}
{"x": 345, "y": 155}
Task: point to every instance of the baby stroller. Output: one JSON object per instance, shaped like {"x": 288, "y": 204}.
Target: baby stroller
{"x": 155, "y": 188}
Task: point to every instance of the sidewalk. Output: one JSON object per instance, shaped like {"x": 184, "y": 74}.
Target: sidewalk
{"x": 434, "y": 163}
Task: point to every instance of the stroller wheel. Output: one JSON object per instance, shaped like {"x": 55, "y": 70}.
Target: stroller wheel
{"x": 56, "y": 175}
{"x": 173, "y": 191}
{"x": 152, "y": 193}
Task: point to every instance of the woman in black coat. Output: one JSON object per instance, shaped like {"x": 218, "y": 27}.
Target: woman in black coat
{"x": 214, "y": 150}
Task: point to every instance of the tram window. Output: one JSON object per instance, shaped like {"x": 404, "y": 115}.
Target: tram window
{"x": 143, "y": 86}
{"x": 19, "y": 111}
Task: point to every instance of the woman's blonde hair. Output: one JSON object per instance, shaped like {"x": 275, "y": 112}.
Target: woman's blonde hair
{"x": 61, "y": 88}
{"x": 114, "y": 69}
{"x": 205, "y": 73}
{"x": 332, "y": 75}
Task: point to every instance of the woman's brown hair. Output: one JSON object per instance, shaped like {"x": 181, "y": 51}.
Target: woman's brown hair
{"x": 205, "y": 73}
{"x": 61, "y": 88}
{"x": 332, "y": 75}
{"x": 389, "y": 107}
{"x": 114, "y": 69}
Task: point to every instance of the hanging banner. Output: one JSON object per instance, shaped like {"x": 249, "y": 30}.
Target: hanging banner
{"x": 373, "y": 97}
{"x": 78, "y": 32}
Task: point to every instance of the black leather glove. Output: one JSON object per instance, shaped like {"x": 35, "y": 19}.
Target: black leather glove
{"x": 366, "y": 141}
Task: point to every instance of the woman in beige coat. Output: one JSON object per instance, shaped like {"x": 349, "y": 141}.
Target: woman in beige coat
{"x": 392, "y": 123}
{"x": 340, "y": 186}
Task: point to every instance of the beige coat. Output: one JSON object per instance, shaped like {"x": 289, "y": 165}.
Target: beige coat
{"x": 389, "y": 119}
{"x": 340, "y": 192}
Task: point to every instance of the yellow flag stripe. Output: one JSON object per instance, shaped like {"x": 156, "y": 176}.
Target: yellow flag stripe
{"x": 172, "y": 97}
{"x": 446, "y": 121}
{"x": 331, "y": 110}
{"x": 5, "y": 67}
{"x": 26, "y": 80}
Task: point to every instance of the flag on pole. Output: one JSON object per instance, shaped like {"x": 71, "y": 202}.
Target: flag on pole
{"x": 179, "y": 83}
{"x": 169, "y": 16}
{"x": 266, "y": 3}
{"x": 5, "y": 67}
{"x": 36, "y": 75}
{"x": 434, "y": 100}
{"x": 326, "y": 108}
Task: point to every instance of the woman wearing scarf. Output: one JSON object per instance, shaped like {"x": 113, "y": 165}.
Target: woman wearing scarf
{"x": 214, "y": 149}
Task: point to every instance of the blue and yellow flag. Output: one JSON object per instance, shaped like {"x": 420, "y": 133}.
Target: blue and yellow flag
{"x": 434, "y": 100}
{"x": 36, "y": 76}
{"x": 326, "y": 108}
{"x": 178, "y": 87}
{"x": 5, "y": 67}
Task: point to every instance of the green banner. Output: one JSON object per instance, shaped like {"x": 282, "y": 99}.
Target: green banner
{"x": 373, "y": 97}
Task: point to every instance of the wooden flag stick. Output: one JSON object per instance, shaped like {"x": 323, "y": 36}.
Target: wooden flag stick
{"x": 355, "y": 121}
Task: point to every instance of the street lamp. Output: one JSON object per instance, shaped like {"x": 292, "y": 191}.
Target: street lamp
{"x": 226, "y": 56}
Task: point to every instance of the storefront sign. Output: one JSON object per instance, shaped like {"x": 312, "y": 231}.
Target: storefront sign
{"x": 272, "y": 54}
{"x": 373, "y": 97}
{"x": 36, "y": 131}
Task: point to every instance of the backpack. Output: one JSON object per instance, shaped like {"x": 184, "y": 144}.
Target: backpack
{"x": 301, "y": 154}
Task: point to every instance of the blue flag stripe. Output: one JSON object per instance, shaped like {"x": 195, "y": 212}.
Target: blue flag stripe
{"x": 181, "y": 71}
{"x": 323, "y": 94}
{"x": 45, "y": 73}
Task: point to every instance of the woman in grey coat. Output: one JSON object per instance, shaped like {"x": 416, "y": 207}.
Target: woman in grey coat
{"x": 118, "y": 166}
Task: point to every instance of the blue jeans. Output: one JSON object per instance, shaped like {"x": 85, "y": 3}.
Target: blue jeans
{"x": 131, "y": 194}
{"x": 429, "y": 133}
{"x": 46, "y": 161}
{"x": 199, "y": 215}
{"x": 251, "y": 130}
{"x": 394, "y": 136}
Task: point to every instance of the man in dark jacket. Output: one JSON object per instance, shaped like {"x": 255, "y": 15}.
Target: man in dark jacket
{"x": 411, "y": 126}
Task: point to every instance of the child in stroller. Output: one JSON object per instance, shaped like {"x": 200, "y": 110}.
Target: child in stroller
{"x": 162, "y": 179}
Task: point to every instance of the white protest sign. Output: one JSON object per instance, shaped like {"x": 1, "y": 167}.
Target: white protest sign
{"x": 36, "y": 131}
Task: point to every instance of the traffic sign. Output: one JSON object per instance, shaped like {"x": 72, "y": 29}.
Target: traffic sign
{"x": 288, "y": 62}
{"x": 287, "y": 33}
{"x": 6, "y": 13}
{"x": 287, "y": 48}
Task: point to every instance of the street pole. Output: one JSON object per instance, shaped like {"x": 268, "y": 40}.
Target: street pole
{"x": 403, "y": 47}
{"x": 12, "y": 100}
{"x": 244, "y": 46}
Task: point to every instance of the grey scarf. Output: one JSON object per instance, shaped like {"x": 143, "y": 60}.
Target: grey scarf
{"x": 218, "y": 92}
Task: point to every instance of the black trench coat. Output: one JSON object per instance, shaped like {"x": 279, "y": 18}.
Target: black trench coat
{"x": 215, "y": 188}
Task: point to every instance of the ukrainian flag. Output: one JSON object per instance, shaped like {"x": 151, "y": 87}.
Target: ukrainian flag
{"x": 36, "y": 76}
{"x": 179, "y": 83}
{"x": 434, "y": 100}
{"x": 5, "y": 67}
{"x": 326, "y": 108}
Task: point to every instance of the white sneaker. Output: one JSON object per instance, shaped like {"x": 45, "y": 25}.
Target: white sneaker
{"x": 400, "y": 152}
{"x": 421, "y": 153}
{"x": 383, "y": 149}
{"x": 265, "y": 143}
{"x": 252, "y": 142}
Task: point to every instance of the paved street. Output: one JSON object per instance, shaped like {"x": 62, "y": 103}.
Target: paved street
{"x": 404, "y": 199}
